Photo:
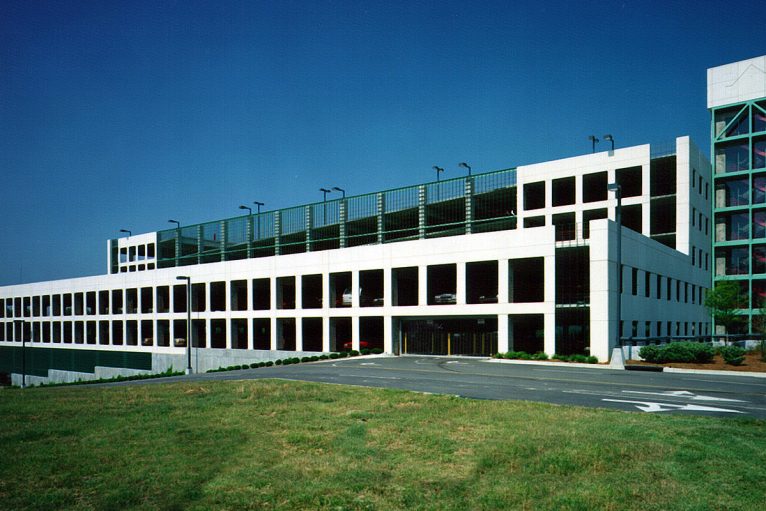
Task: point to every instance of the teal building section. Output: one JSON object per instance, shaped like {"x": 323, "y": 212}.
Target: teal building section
{"x": 39, "y": 360}
{"x": 738, "y": 147}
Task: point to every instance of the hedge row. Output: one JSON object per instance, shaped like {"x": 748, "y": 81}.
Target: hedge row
{"x": 691, "y": 352}
{"x": 297, "y": 360}
{"x": 523, "y": 355}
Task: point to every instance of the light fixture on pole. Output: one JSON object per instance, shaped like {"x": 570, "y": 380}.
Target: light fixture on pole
{"x": 178, "y": 224}
{"x": 593, "y": 141}
{"x": 248, "y": 208}
{"x": 128, "y": 232}
{"x": 609, "y": 138}
{"x": 465, "y": 166}
{"x": 341, "y": 190}
{"x": 188, "y": 321}
{"x": 438, "y": 170}
{"x": 258, "y": 220}
{"x": 617, "y": 189}
{"x": 324, "y": 191}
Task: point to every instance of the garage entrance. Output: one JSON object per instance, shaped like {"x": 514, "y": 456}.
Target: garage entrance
{"x": 449, "y": 336}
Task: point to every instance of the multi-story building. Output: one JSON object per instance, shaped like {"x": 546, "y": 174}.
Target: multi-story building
{"x": 523, "y": 258}
{"x": 737, "y": 102}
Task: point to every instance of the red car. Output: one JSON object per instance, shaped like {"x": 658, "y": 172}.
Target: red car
{"x": 362, "y": 344}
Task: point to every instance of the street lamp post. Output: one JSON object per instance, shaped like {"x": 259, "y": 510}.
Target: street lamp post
{"x": 617, "y": 189}
{"x": 188, "y": 321}
{"x": 465, "y": 166}
{"x": 178, "y": 224}
{"x": 438, "y": 170}
{"x": 324, "y": 191}
{"x": 593, "y": 141}
{"x": 609, "y": 138}
{"x": 341, "y": 190}
{"x": 258, "y": 224}
{"x": 127, "y": 231}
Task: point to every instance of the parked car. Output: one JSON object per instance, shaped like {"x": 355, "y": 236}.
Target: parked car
{"x": 488, "y": 299}
{"x": 444, "y": 298}
{"x": 362, "y": 344}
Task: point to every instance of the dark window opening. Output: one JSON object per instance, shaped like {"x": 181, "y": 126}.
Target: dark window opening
{"x": 217, "y": 296}
{"x": 340, "y": 289}
{"x": 218, "y": 333}
{"x": 286, "y": 334}
{"x": 238, "y": 291}
{"x": 404, "y": 283}
{"x": 262, "y": 334}
{"x": 261, "y": 294}
{"x": 442, "y": 284}
{"x": 312, "y": 334}
{"x": 592, "y": 214}
{"x": 563, "y": 191}
{"x": 630, "y": 181}
{"x": 147, "y": 303}
{"x": 631, "y": 217}
{"x": 566, "y": 228}
{"x": 534, "y": 221}
{"x": 239, "y": 334}
{"x": 662, "y": 176}
{"x": 526, "y": 280}
{"x": 311, "y": 291}
{"x": 534, "y": 196}
{"x": 371, "y": 333}
{"x": 340, "y": 334}
{"x": 163, "y": 299}
{"x": 371, "y": 288}
{"x": 526, "y": 332}
{"x": 594, "y": 187}
{"x": 573, "y": 276}
{"x": 481, "y": 282}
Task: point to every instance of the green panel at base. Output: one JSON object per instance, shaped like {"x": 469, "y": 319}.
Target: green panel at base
{"x": 40, "y": 360}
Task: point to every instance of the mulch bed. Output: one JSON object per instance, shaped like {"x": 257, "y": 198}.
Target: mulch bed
{"x": 752, "y": 363}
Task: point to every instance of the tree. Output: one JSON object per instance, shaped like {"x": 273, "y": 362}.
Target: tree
{"x": 723, "y": 301}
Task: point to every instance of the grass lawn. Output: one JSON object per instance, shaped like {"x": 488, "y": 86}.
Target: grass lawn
{"x": 287, "y": 445}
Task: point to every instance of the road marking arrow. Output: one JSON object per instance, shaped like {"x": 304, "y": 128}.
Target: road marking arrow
{"x": 649, "y": 406}
{"x": 685, "y": 394}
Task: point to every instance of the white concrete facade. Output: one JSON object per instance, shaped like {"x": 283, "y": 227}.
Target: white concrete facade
{"x": 569, "y": 193}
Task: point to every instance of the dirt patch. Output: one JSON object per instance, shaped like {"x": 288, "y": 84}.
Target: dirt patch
{"x": 752, "y": 363}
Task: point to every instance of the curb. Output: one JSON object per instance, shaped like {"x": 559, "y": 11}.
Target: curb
{"x": 551, "y": 364}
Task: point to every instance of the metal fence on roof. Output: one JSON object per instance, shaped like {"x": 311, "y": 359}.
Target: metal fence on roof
{"x": 479, "y": 203}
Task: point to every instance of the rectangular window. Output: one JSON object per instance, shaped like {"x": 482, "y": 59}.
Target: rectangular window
{"x": 658, "y": 290}
{"x": 647, "y": 284}
{"x": 634, "y": 281}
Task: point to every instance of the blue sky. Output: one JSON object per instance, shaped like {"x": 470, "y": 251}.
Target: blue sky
{"x": 125, "y": 114}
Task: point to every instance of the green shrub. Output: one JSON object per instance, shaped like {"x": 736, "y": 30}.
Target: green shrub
{"x": 592, "y": 360}
{"x": 376, "y": 351}
{"x": 559, "y": 356}
{"x": 254, "y": 365}
{"x": 581, "y": 359}
{"x": 690, "y": 352}
{"x": 278, "y": 362}
{"x": 650, "y": 353}
{"x": 539, "y": 356}
{"x": 305, "y": 359}
{"x": 342, "y": 354}
{"x": 353, "y": 353}
{"x": 364, "y": 351}
{"x": 314, "y": 358}
{"x": 733, "y": 355}
{"x": 324, "y": 357}
{"x": 334, "y": 356}
{"x": 269, "y": 363}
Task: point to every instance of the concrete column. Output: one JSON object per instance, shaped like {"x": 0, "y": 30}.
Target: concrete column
{"x": 277, "y": 231}
{"x": 355, "y": 289}
{"x": 422, "y": 285}
{"x": 502, "y": 281}
{"x": 309, "y": 223}
{"x": 388, "y": 287}
{"x": 422, "y": 211}
{"x": 503, "y": 333}
{"x": 298, "y": 334}
{"x": 468, "y": 205}
{"x": 460, "y": 284}
{"x": 326, "y": 334}
{"x": 355, "y": 332}
{"x": 388, "y": 334}
{"x": 274, "y": 333}
{"x": 381, "y": 209}
{"x": 549, "y": 343}
{"x": 342, "y": 225}
{"x": 222, "y": 243}
{"x": 298, "y": 291}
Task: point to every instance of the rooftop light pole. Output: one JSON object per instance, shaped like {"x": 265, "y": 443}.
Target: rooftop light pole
{"x": 593, "y": 141}
{"x": 188, "y": 321}
{"x": 341, "y": 190}
{"x": 248, "y": 208}
{"x": 178, "y": 224}
{"x": 617, "y": 189}
{"x": 128, "y": 232}
{"x": 324, "y": 191}
{"x": 465, "y": 166}
{"x": 438, "y": 170}
{"x": 609, "y": 138}
{"x": 258, "y": 225}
